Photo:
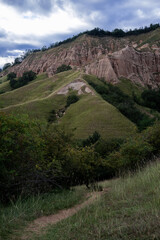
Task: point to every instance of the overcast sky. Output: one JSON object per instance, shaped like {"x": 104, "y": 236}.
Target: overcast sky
{"x": 28, "y": 24}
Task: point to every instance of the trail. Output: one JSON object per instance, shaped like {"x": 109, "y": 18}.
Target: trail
{"x": 40, "y": 223}
{"x": 38, "y": 99}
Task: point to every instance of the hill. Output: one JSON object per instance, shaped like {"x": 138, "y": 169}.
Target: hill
{"x": 134, "y": 57}
{"x": 91, "y": 113}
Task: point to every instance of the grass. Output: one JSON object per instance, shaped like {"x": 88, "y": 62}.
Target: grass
{"x": 92, "y": 113}
{"x": 126, "y": 86}
{"x": 129, "y": 211}
{"x": 89, "y": 114}
{"x": 15, "y": 217}
{"x": 36, "y": 90}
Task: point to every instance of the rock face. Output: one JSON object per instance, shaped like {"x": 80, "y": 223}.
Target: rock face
{"x": 78, "y": 85}
{"x": 110, "y": 59}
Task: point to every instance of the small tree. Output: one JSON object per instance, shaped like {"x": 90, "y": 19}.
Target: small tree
{"x": 63, "y": 68}
{"x": 11, "y": 76}
{"x": 72, "y": 99}
{"x": 6, "y": 65}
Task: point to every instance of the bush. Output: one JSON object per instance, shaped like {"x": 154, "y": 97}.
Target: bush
{"x": 11, "y": 76}
{"x": 106, "y": 147}
{"x": 72, "y": 99}
{"x": 63, "y": 68}
{"x": 152, "y": 136}
{"x": 91, "y": 139}
{"x": 27, "y": 77}
{"x": 6, "y": 65}
{"x": 151, "y": 99}
{"x": 131, "y": 155}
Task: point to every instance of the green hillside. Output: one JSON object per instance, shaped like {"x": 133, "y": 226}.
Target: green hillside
{"x": 91, "y": 113}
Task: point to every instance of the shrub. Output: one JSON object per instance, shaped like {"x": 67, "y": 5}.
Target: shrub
{"x": 152, "y": 136}
{"x": 72, "y": 99}
{"x": 131, "y": 155}
{"x": 27, "y": 77}
{"x": 63, "y": 68}
{"x": 52, "y": 116}
{"x": 6, "y": 65}
{"x": 106, "y": 147}
{"x": 11, "y": 76}
{"x": 91, "y": 139}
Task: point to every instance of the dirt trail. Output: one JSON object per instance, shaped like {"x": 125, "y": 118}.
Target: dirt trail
{"x": 37, "y": 99}
{"x": 42, "y": 222}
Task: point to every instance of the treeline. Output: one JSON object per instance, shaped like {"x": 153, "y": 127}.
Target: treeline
{"x": 36, "y": 157}
{"x": 21, "y": 81}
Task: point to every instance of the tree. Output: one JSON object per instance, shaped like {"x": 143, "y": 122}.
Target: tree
{"x": 72, "y": 99}
{"x": 11, "y": 76}
{"x": 6, "y": 65}
{"x": 63, "y": 68}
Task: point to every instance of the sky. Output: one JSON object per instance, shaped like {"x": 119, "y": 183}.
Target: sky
{"x": 30, "y": 24}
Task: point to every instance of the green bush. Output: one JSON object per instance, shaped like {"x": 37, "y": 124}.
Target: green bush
{"x": 91, "y": 139}
{"x": 11, "y": 76}
{"x": 152, "y": 136}
{"x": 72, "y": 99}
{"x": 63, "y": 68}
{"x": 131, "y": 155}
{"x": 21, "y": 81}
{"x": 106, "y": 147}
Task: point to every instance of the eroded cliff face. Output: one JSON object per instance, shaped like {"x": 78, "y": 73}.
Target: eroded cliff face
{"x": 109, "y": 59}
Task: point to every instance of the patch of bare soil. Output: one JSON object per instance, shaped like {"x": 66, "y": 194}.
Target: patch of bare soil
{"x": 40, "y": 223}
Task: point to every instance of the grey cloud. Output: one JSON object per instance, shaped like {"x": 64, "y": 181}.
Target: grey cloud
{"x": 37, "y": 6}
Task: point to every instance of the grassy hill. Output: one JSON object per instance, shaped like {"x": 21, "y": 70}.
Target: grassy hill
{"x": 91, "y": 113}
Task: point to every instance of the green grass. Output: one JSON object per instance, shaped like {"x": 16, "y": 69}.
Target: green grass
{"x": 15, "y": 217}
{"x": 129, "y": 88}
{"x": 3, "y": 79}
{"x": 37, "y": 90}
{"x": 5, "y": 87}
{"x": 129, "y": 211}
{"x": 91, "y": 113}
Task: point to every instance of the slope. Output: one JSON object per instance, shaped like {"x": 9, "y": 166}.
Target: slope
{"x": 130, "y": 210}
{"x": 91, "y": 113}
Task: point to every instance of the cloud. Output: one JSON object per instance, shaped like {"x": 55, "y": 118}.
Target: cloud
{"x": 40, "y": 6}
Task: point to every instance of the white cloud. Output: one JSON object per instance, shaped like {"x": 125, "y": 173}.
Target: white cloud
{"x": 95, "y": 15}
{"x": 23, "y": 26}
{"x": 140, "y": 13}
{"x": 4, "y": 60}
{"x": 16, "y": 51}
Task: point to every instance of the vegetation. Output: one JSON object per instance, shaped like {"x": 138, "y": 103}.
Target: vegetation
{"x": 72, "y": 99}
{"x": 63, "y": 68}
{"x": 122, "y": 101}
{"x": 6, "y": 65}
{"x": 25, "y": 79}
{"x": 17, "y": 215}
{"x": 151, "y": 99}
{"x": 36, "y": 158}
{"x": 129, "y": 210}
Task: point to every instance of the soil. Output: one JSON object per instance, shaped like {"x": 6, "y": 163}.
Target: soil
{"x": 40, "y": 223}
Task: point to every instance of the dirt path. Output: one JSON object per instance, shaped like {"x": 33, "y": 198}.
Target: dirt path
{"x": 38, "y": 99}
{"x": 40, "y": 223}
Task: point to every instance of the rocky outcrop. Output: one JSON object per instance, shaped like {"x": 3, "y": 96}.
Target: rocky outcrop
{"x": 77, "y": 85}
{"x": 140, "y": 67}
{"x": 106, "y": 58}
